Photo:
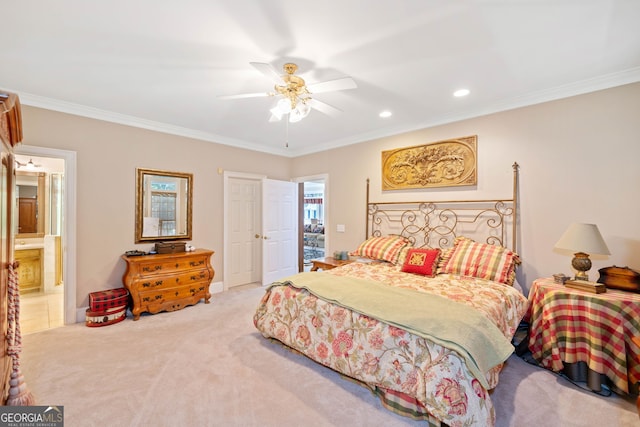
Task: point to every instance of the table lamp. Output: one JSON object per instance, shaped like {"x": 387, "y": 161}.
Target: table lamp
{"x": 583, "y": 239}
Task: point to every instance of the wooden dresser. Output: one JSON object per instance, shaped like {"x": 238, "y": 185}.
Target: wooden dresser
{"x": 168, "y": 282}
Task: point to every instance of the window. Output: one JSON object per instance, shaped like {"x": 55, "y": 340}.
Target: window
{"x": 163, "y": 206}
{"x": 313, "y": 207}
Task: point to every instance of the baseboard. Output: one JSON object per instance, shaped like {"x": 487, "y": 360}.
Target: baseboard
{"x": 81, "y": 314}
{"x": 216, "y": 287}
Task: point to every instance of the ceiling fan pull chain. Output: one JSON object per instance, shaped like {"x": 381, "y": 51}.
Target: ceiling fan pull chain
{"x": 286, "y": 141}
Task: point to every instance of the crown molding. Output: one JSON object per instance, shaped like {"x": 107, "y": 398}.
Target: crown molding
{"x": 572, "y": 89}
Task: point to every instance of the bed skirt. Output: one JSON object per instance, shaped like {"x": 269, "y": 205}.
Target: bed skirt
{"x": 580, "y": 372}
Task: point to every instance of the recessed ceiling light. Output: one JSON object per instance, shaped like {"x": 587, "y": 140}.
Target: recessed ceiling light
{"x": 385, "y": 114}
{"x": 461, "y": 92}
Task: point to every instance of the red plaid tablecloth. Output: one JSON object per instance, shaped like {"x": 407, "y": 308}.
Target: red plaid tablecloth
{"x": 568, "y": 325}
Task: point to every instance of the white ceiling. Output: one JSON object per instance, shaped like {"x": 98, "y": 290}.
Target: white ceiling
{"x": 161, "y": 64}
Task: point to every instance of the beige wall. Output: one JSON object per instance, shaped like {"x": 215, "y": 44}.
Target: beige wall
{"x": 578, "y": 156}
{"x": 107, "y": 156}
{"x": 579, "y": 162}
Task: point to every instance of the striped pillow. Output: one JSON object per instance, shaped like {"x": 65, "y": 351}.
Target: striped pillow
{"x": 385, "y": 248}
{"x": 480, "y": 260}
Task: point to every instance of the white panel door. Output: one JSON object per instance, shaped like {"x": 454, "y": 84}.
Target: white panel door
{"x": 280, "y": 230}
{"x": 244, "y": 231}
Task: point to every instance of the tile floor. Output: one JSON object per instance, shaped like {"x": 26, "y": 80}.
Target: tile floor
{"x": 39, "y": 312}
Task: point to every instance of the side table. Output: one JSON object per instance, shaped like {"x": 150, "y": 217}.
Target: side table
{"x": 568, "y": 326}
{"x": 328, "y": 263}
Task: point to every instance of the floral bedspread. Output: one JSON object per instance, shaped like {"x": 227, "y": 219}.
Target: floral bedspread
{"x": 386, "y": 357}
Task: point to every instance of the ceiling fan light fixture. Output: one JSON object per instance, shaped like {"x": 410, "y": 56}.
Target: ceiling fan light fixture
{"x": 284, "y": 106}
{"x": 300, "y": 112}
{"x": 294, "y": 96}
{"x": 276, "y": 114}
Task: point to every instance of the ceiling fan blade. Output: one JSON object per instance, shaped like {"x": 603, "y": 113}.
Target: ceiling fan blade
{"x": 244, "y": 95}
{"x": 323, "y": 107}
{"x": 268, "y": 71}
{"x": 331, "y": 85}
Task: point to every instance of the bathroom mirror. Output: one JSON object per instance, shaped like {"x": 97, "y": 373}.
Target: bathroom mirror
{"x": 30, "y": 204}
{"x": 163, "y": 205}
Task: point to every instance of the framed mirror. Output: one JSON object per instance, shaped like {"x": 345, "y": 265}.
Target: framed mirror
{"x": 163, "y": 205}
{"x": 30, "y": 204}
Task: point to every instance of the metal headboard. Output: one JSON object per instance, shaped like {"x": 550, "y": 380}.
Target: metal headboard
{"x": 437, "y": 224}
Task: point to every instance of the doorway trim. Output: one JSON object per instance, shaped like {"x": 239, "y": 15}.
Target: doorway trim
{"x": 226, "y": 259}
{"x": 69, "y": 225}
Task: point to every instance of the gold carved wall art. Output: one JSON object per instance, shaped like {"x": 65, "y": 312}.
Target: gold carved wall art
{"x": 448, "y": 163}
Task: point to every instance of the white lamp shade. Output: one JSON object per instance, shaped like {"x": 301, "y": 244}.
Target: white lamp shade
{"x": 583, "y": 238}
{"x": 300, "y": 112}
{"x": 276, "y": 114}
{"x": 284, "y": 105}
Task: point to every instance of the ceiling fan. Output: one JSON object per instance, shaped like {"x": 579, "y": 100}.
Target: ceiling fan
{"x": 295, "y": 95}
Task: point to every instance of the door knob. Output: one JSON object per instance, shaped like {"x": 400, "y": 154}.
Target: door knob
{"x": 257, "y": 236}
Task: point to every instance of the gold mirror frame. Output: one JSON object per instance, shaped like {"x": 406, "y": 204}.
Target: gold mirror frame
{"x": 141, "y": 202}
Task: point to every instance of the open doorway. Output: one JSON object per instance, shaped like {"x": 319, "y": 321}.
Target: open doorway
{"x": 46, "y": 251}
{"x": 38, "y": 241}
{"x": 313, "y": 218}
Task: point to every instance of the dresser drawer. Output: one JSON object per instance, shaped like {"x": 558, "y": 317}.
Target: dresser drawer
{"x": 171, "y": 280}
{"x": 171, "y": 265}
{"x": 160, "y": 296}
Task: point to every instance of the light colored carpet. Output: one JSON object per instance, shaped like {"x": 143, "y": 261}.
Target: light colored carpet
{"x": 207, "y": 365}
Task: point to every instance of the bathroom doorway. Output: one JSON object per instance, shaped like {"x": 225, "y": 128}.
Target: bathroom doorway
{"x": 40, "y": 240}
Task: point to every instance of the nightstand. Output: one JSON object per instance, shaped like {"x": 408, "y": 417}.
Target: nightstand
{"x": 570, "y": 327}
{"x": 328, "y": 263}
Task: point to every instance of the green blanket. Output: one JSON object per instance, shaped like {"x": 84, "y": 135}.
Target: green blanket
{"x": 443, "y": 321}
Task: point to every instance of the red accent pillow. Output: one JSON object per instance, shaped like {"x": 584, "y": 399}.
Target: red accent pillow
{"x": 421, "y": 261}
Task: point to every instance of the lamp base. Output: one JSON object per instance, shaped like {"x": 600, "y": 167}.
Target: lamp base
{"x": 582, "y": 264}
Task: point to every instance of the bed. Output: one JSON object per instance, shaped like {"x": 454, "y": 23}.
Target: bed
{"x": 425, "y": 314}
